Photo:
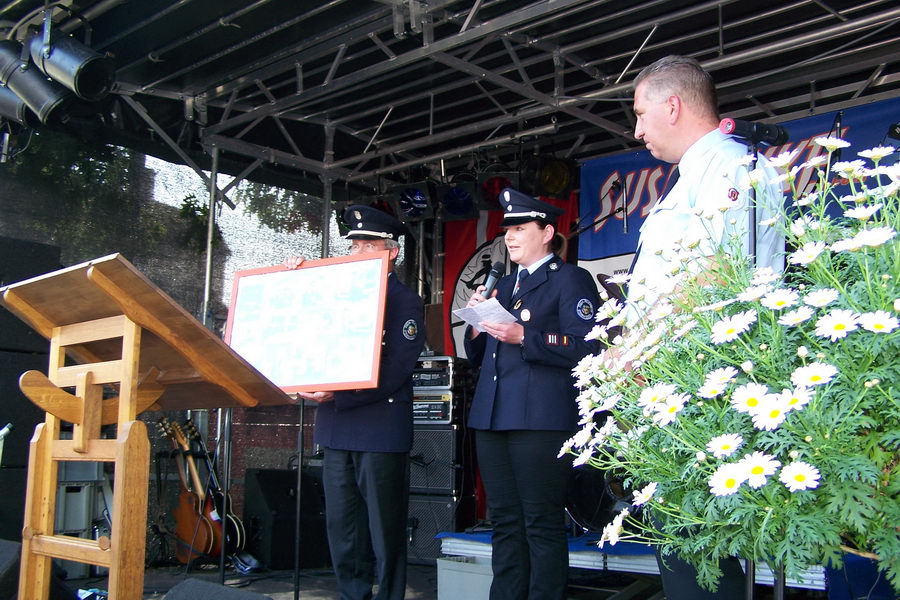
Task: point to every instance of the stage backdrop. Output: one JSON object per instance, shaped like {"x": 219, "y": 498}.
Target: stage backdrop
{"x": 608, "y": 248}
{"x": 471, "y": 247}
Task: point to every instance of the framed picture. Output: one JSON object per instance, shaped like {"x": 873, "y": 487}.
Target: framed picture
{"x": 315, "y": 328}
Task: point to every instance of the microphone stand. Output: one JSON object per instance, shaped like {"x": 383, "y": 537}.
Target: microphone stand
{"x": 592, "y": 223}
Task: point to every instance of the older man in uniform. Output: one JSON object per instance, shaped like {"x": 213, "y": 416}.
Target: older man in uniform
{"x": 367, "y": 435}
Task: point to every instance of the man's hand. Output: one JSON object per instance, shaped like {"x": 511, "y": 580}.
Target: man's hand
{"x": 509, "y": 333}
{"x": 319, "y": 397}
{"x": 293, "y": 262}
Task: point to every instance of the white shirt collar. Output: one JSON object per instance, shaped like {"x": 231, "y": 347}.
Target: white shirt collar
{"x": 535, "y": 265}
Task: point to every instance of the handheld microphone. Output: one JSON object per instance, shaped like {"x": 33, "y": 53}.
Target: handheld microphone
{"x": 493, "y": 277}
{"x": 772, "y": 135}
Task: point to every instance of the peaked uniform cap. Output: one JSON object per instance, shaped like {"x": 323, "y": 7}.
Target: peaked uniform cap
{"x": 521, "y": 208}
{"x": 368, "y": 223}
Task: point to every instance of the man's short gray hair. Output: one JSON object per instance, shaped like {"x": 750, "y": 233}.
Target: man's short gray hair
{"x": 391, "y": 244}
{"x": 681, "y": 76}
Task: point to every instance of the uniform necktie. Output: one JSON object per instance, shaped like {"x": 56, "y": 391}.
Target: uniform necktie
{"x": 669, "y": 185}
{"x": 523, "y": 275}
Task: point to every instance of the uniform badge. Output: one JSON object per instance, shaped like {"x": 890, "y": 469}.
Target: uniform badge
{"x": 410, "y": 330}
{"x": 525, "y": 315}
{"x": 517, "y": 304}
{"x": 585, "y": 309}
{"x": 357, "y": 214}
{"x": 553, "y": 267}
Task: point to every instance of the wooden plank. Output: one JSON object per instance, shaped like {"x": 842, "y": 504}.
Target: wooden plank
{"x": 40, "y": 503}
{"x": 129, "y": 518}
{"x": 109, "y": 371}
{"x": 71, "y": 548}
{"x": 128, "y": 390}
{"x": 27, "y": 313}
{"x": 88, "y": 427}
{"x": 90, "y": 331}
{"x": 185, "y": 375}
{"x": 97, "y": 450}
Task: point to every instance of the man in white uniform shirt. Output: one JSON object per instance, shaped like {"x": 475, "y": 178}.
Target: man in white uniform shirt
{"x": 677, "y": 118}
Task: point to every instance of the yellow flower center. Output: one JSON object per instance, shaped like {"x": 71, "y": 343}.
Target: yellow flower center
{"x": 752, "y": 401}
{"x": 757, "y": 470}
{"x": 730, "y": 330}
{"x": 800, "y": 477}
{"x": 877, "y": 326}
{"x": 815, "y": 378}
{"x": 839, "y": 327}
{"x": 774, "y": 413}
{"x": 726, "y": 446}
{"x": 730, "y": 482}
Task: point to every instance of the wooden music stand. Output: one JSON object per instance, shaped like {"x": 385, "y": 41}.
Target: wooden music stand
{"x": 123, "y": 332}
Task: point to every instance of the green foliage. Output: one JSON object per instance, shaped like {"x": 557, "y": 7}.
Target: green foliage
{"x": 281, "y": 210}
{"x": 809, "y": 388}
{"x": 196, "y": 215}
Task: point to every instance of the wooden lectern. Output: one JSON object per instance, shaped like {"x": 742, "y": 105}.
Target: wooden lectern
{"x": 124, "y": 333}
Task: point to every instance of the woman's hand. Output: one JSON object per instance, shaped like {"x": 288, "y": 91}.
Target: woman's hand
{"x": 319, "y": 397}
{"x": 293, "y": 262}
{"x": 508, "y": 333}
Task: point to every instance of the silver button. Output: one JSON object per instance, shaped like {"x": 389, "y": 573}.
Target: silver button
{"x": 495, "y": 378}
{"x": 390, "y": 399}
{"x": 495, "y": 355}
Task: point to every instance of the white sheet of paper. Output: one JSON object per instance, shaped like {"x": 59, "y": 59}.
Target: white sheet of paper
{"x": 489, "y": 310}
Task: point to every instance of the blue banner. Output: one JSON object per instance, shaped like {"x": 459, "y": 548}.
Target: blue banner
{"x": 644, "y": 177}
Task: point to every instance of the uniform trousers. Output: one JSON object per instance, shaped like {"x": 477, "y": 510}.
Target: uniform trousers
{"x": 526, "y": 494}
{"x": 366, "y": 504}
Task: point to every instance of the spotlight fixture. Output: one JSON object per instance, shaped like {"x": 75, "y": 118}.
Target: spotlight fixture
{"x": 546, "y": 175}
{"x": 458, "y": 200}
{"x": 412, "y": 201}
{"x": 42, "y": 96}
{"x": 14, "y": 108}
{"x": 491, "y": 183}
{"x": 79, "y": 68}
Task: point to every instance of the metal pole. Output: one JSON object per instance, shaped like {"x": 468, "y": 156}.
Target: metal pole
{"x": 750, "y": 578}
{"x": 210, "y": 232}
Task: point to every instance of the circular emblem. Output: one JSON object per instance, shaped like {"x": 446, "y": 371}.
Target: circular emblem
{"x": 517, "y": 304}
{"x": 525, "y": 315}
{"x": 410, "y": 330}
{"x": 585, "y": 309}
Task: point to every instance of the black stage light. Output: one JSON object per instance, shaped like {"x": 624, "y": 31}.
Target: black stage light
{"x": 14, "y": 108}
{"x": 547, "y": 175}
{"x": 893, "y": 131}
{"x": 458, "y": 200}
{"x": 491, "y": 183}
{"x": 81, "y": 69}
{"x": 42, "y": 96}
{"x": 413, "y": 201}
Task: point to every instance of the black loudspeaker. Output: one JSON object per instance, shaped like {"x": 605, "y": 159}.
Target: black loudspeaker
{"x": 197, "y": 589}
{"x": 22, "y": 260}
{"x": 434, "y": 467}
{"x": 428, "y": 516}
{"x": 9, "y": 575}
{"x": 16, "y": 408}
{"x": 270, "y": 504}
{"x": 12, "y": 503}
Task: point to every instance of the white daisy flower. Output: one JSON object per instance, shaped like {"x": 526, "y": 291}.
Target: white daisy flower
{"x": 875, "y": 237}
{"x": 609, "y": 403}
{"x": 831, "y": 143}
{"x": 879, "y": 321}
{"x": 857, "y": 198}
{"x": 655, "y": 394}
{"x": 799, "y": 476}
{"x": 711, "y": 390}
{"x": 801, "y": 224}
{"x": 862, "y": 212}
{"x": 846, "y": 244}
{"x": 715, "y": 306}
{"x": 681, "y": 331}
{"x": 783, "y": 160}
{"x": 781, "y": 298}
{"x": 837, "y": 324}
{"x": 758, "y": 466}
{"x": 807, "y": 253}
{"x": 747, "y": 397}
{"x": 583, "y": 457}
{"x": 667, "y": 411}
{"x": 897, "y": 305}
{"x": 807, "y": 199}
{"x": 722, "y": 376}
{"x": 769, "y": 413}
{"x": 815, "y": 161}
{"x": 613, "y": 530}
{"x": 849, "y": 169}
{"x": 763, "y": 276}
{"x": 788, "y": 175}
{"x": 724, "y": 445}
{"x": 608, "y": 309}
{"x": 747, "y": 366}
{"x": 726, "y": 480}
{"x": 877, "y": 153}
{"x": 821, "y": 297}
{"x": 753, "y": 293}
{"x": 796, "y": 398}
{"x": 770, "y": 222}
{"x": 729, "y": 328}
{"x": 813, "y": 374}
{"x": 643, "y": 496}
{"x": 796, "y": 316}
{"x": 620, "y": 278}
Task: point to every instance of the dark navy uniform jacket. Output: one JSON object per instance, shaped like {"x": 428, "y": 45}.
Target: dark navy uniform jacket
{"x": 531, "y": 386}
{"x": 380, "y": 419}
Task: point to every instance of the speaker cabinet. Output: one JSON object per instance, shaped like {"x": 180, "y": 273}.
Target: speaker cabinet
{"x": 17, "y": 409}
{"x": 9, "y": 575}
{"x": 12, "y": 503}
{"x": 197, "y": 589}
{"x": 19, "y": 260}
{"x": 431, "y": 515}
{"x": 270, "y": 504}
{"x": 433, "y": 464}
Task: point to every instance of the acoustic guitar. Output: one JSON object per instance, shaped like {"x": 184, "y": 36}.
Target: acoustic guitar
{"x": 194, "y": 531}
{"x": 235, "y": 533}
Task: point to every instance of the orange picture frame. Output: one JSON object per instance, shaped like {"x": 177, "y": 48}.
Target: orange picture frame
{"x": 314, "y": 328}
